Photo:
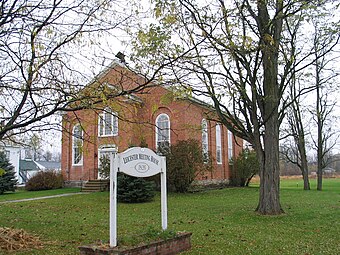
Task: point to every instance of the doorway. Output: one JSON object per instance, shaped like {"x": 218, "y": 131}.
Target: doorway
{"x": 104, "y": 161}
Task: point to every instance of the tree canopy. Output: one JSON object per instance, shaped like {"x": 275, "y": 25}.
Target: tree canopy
{"x": 240, "y": 56}
{"x": 45, "y": 47}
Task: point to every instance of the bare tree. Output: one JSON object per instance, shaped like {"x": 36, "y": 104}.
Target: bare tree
{"x": 324, "y": 40}
{"x": 35, "y": 143}
{"x": 324, "y": 142}
{"x": 43, "y": 45}
{"x": 237, "y": 54}
{"x": 295, "y": 152}
{"x": 47, "y": 155}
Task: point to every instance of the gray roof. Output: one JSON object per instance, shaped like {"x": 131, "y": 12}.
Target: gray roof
{"x": 28, "y": 165}
{"x": 31, "y": 165}
{"x": 50, "y": 165}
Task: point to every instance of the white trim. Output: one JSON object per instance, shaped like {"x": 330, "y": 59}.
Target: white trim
{"x": 230, "y": 145}
{"x": 105, "y": 149}
{"x": 102, "y": 123}
{"x": 218, "y": 144}
{"x": 168, "y": 128}
{"x": 80, "y": 162}
{"x": 205, "y": 140}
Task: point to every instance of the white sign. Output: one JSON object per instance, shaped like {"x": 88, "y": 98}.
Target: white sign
{"x": 139, "y": 162}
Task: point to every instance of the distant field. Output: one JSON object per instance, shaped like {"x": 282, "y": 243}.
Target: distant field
{"x": 222, "y": 221}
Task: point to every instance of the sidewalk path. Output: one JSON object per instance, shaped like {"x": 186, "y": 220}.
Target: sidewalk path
{"x": 38, "y": 198}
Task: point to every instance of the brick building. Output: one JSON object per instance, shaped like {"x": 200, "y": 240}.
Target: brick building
{"x": 152, "y": 116}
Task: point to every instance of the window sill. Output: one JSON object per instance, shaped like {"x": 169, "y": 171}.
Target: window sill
{"x": 107, "y": 135}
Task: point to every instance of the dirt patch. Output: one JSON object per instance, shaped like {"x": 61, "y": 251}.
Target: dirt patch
{"x": 18, "y": 239}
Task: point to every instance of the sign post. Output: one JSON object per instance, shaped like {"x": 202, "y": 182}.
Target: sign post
{"x": 138, "y": 162}
{"x": 113, "y": 199}
{"x": 164, "y": 206}
{"x": 113, "y": 193}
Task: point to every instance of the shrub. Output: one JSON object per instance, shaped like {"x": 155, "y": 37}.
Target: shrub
{"x": 104, "y": 166}
{"x": 44, "y": 181}
{"x": 134, "y": 190}
{"x": 244, "y": 168}
{"x": 184, "y": 162}
{"x": 7, "y": 174}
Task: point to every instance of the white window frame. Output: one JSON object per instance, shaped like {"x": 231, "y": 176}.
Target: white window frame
{"x": 230, "y": 145}
{"x": 158, "y": 133}
{"x": 205, "y": 139}
{"x": 8, "y": 154}
{"x": 77, "y": 144}
{"x": 103, "y": 129}
{"x": 103, "y": 150}
{"x": 218, "y": 145}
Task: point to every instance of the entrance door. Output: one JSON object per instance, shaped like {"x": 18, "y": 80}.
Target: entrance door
{"x": 104, "y": 161}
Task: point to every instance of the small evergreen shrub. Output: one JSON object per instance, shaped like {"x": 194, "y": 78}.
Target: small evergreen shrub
{"x": 134, "y": 190}
{"x": 184, "y": 162}
{"x": 244, "y": 168}
{"x": 104, "y": 166}
{"x": 45, "y": 180}
{"x": 7, "y": 174}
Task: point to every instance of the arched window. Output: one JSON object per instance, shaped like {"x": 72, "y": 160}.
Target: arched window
{"x": 77, "y": 145}
{"x": 108, "y": 123}
{"x": 162, "y": 131}
{"x": 218, "y": 144}
{"x": 205, "y": 143}
{"x": 230, "y": 145}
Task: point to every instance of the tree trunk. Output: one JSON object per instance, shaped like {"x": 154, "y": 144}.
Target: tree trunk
{"x": 319, "y": 170}
{"x": 306, "y": 185}
{"x": 249, "y": 179}
{"x": 319, "y": 118}
{"x": 304, "y": 162}
{"x": 269, "y": 200}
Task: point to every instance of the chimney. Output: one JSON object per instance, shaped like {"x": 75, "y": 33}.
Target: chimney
{"x": 121, "y": 57}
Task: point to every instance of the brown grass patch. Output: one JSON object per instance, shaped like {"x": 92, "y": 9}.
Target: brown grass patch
{"x": 18, "y": 239}
{"x": 256, "y": 179}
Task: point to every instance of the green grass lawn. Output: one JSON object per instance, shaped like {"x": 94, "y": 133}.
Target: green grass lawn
{"x": 22, "y": 194}
{"x": 222, "y": 221}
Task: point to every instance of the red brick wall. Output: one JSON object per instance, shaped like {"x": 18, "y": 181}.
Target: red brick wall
{"x": 171, "y": 246}
{"x": 137, "y": 123}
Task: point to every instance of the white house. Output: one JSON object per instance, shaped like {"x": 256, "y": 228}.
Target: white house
{"x": 13, "y": 153}
{"x": 24, "y": 167}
